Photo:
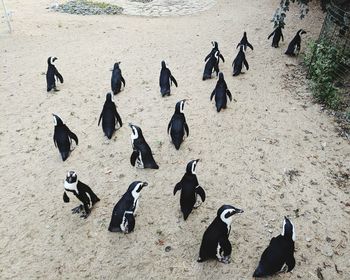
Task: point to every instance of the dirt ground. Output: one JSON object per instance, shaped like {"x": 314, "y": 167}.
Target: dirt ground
{"x": 272, "y": 153}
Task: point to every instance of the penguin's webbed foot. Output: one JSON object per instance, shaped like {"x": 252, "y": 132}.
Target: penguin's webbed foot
{"x": 225, "y": 259}
{"x": 55, "y": 89}
{"x": 84, "y": 215}
{"x": 77, "y": 209}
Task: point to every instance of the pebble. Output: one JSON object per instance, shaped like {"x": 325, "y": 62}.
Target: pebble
{"x": 80, "y": 7}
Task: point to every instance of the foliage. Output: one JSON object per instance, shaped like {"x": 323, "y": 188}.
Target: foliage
{"x": 324, "y": 60}
{"x": 280, "y": 14}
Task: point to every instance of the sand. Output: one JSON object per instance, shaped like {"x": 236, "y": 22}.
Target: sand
{"x": 249, "y": 152}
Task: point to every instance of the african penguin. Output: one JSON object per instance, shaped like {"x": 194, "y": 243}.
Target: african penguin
{"x": 177, "y": 125}
{"x": 277, "y": 36}
{"x": 62, "y": 137}
{"x": 142, "y": 154}
{"x": 165, "y": 79}
{"x": 239, "y": 61}
{"x": 190, "y": 189}
{"x": 279, "y": 255}
{"x": 52, "y": 74}
{"x": 211, "y": 65}
{"x": 294, "y": 46}
{"x": 124, "y": 212}
{"x": 244, "y": 42}
{"x": 82, "y": 192}
{"x": 213, "y": 51}
{"x": 215, "y": 243}
{"x": 221, "y": 92}
{"x": 117, "y": 79}
{"x": 109, "y": 116}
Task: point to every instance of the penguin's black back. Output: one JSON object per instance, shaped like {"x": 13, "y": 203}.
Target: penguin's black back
{"x": 189, "y": 183}
{"x": 220, "y": 95}
{"x": 177, "y": 129}
{"x": 116, "y": 82}
{"x": 141, "y": 145}
{"x": 279, "y": 251}
{"x": 126, "y": 203}
{"x": 208, "y": 68}
{"x": 109, "y": 118}
{"x": 50, "y": 77}
{"x": 216, "y": 231}
{"x": 62, "y": 139}
{"x": 164, "y": 80}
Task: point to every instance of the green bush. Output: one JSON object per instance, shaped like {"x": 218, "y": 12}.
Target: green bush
{"x": 323, "y": 59}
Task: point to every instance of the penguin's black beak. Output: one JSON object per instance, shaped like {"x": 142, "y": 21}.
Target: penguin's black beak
{"x": 144, "y": 184}
{"x": 131, "y": 125}
{"x": 197, "y": 160}
{"x": 239, "y": 211}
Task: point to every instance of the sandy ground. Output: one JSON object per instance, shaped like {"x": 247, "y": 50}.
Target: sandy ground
{"x": 245, "y": 151}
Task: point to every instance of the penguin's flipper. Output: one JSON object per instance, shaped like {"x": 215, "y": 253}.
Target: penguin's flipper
{"x": 119, "y": 119}
{"x": 169, "y": 127}
{"x": 129, "y": 216}
{"x": 65, "y": 197}
{"x": 282, "y": 37}
{"x": 212, "y": 95}
{"x": 207, "y": 57}
{"x": 273, "y": 32}
{"x": 250, "y": 45}
{"x": 73, "y": 136}
{"x": 58, "y": 75}
{"x": 246, "y": 64}
{"x": 290, "y": 263}
{"x": 222, "y": 57}
{"x": 187, "y": 129}
{"x": 173, "y": 80}
{"x": 177, "y": 188}
{"x": 200, "y": 191}
{"x": 122, "y": 79}
{"x": 238, "y": 45}
{"x": 228, "y": 92}
{"x": 133, "y": 157}
{"x": 99, "y": 120}
{"x": 54, "y": 141}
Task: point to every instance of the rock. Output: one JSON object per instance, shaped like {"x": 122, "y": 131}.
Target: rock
{"x": 167, "y": 248}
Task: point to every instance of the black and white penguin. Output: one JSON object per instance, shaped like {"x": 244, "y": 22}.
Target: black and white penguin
{"x": 279, "y": 255}
{"x": 117, "y": 79}
{"x": 213, "y": 51}
{"x": 51, "y": 74}
{"x": 190, "y": 189}
{"x": 82, "y": 192}
{"x": 277, "y": 36}
{"x": 239, "y": 61}
{"x": 124, "y": 212}
{"x": 165, "y": 79}
{"x": 177, "y": 125}
{"x": 211, "y": 65}
{"x": 215, "y": 243}
{"x": 142, "y": 154}
{"x": 62, "y": 137}
{"x": 221, "y": 92}
{"x": 294, "y": 45}
{"x": 244, "y": 42}
{"x": 110, "y": 117}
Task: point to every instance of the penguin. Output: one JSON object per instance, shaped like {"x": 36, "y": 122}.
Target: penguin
{"x": 213, "y": 51}
{"x": 177, "y": 125}
{"x": 211, "y": 65}
{"x": 82, "y": 192}
{"x": 117, "y": 79}
{"x": 190, "y": 189}
{"x": 62, "y": 137}
{"x": 279, "y": 255}
{"x": 142, "y": 154}
{"x": 165, "y": 79}
{"x": 221, "y": 92}
{"x": 124, "y": 212}
{"x": 51, "y": 73}
{"x": 277, "y": 36}
{"x": 239, "y": 61}
{"x": 215, "y": 243}
{"x": 294, "y": 45}
{"x": 244, "y": 42}
{"x": 109, "y": 116}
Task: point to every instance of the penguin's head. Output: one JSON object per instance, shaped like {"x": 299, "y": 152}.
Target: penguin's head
{"x": 191, "y": 166}
{"x": 57, "y": 120}
{"x": 110, "y": 97}
{"x": 70, "y": 184}
{"x": 136, "y": 132}
{"x": 244, "y": 34}
{"x": 226, "y": 212}
{"x": 221, "y": 76}
{"x": 136, "y": 187}
{"x": 179, "y": 107}
{"x": 301, "y": 31}
{"x": 163, "y": 64}
{"x": 116, "y": 65}
{"x": 51, "y": 60}
{"x": 215, "y": 44}
{"x": 288, "y": 230}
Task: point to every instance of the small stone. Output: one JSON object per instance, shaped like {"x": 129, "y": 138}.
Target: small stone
{"x": 167, "y": 248}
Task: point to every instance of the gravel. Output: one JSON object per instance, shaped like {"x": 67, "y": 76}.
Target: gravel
{"x": 84, "y": 7}
{"x": 141, "y": 1}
